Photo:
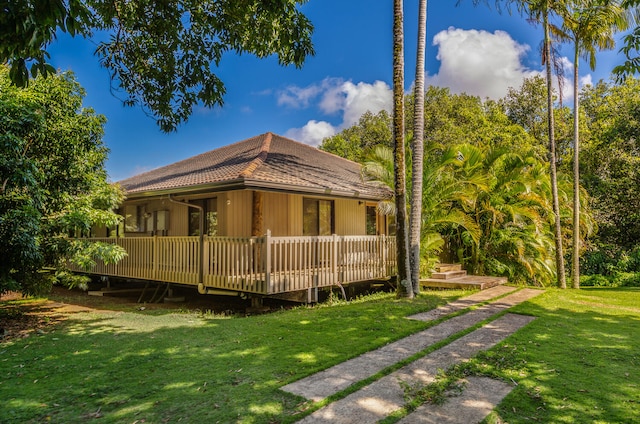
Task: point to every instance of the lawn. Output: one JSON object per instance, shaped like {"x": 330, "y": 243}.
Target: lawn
{"x": 578, "y": 362}
{"x": 178, "y": 366}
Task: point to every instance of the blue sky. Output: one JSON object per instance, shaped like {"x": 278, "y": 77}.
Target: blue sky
{"x": 469, "y": 49}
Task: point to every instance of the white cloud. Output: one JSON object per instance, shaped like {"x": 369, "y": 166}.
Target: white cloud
{"x": 363, "y": 97}
{"x": 297, "y": 97}
{"x": 475, "y": 62}
{"x": 586, "y": 80}
{"x": 301, "y": 97}
{"x": 479, "y": 63}
{"x": 312, "y": 133}
{"x": 338, "y": 96}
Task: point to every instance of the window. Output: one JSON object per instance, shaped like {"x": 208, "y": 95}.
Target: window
{"x": 318, "y": 217}
{"x": 210, "y": 207}
{"x": 138, "y": 220}
{"x": 391, "y": 225}
{"x": 371, "y": 221}
{"x": 134, "y": 218}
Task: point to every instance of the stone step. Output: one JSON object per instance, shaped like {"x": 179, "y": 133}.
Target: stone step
{"x": 463, "y": 303}
{"x": 446, "y": 275}
{"x": 478, "y": 398}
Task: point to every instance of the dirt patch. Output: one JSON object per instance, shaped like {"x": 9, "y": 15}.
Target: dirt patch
{"x": 21, "y": 317}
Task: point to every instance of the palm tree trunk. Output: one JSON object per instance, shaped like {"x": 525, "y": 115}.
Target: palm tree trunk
{"x": 562, "y": 282}
{"x": 405, "y": 288}
{"x": 418, "y": 150}
{"x": 575, "y": 275}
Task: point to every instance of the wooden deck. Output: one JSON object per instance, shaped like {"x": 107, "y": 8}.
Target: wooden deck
{"x": 452, "y": 276}
{"x": 262, "y": 265}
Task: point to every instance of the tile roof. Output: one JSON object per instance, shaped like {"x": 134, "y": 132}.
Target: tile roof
{"x": 266, "y": 161}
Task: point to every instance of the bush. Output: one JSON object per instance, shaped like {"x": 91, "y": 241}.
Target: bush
{"x": 595, "y": 280}
{"x": 627, "y": 279}
{"x": 607, "y": 259}
{"x": 618, "y": 279}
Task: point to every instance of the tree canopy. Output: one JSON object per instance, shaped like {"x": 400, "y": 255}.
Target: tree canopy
{"x": 487, "y": 197}
{"x": 52, "y": 182}
{"x": 162, "y": 53}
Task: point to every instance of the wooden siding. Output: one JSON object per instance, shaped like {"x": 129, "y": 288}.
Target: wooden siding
{"x": 283, "y": 214}
{"x": 277, "y": 213}
{"x": 263, "y": 265}
{"x": 237, "y": 211}
{"x": 350, "y": 217}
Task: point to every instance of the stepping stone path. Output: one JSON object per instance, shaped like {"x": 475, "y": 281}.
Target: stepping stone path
{"x": 386, "y": 395}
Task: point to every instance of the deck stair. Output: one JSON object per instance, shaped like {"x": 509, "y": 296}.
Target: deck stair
{"x": 452, "y": 276}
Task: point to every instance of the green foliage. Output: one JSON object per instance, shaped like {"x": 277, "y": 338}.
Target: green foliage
{"x": 28, "y": 27}
{"x": 616, "y": 279}
{"x": 357, "y": 142}
{"x": 609, "y": 260}
{"x": 631, "y": 47}
{"x": 162, "y": 53}
{"x": 52, "y": 180}
{"x": 611, "y": 159}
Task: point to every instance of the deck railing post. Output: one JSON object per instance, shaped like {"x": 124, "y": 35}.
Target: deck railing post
{"x": 383, "y": 254}
{"x": 334, "y": 258}
{"x": 155, "y": 258}
{"x": 267, "y": 261}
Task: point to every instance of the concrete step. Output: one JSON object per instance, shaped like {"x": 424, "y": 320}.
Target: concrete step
{"x": 448, "y": 274}
{"x": 478, "y": 398}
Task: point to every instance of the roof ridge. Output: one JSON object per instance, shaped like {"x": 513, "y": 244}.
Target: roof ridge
{"x": 260, "y": 158}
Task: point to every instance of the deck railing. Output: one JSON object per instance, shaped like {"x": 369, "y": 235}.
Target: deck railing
{"x": 264, "y": 265}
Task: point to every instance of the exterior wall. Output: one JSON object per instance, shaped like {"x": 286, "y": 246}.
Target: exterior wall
{"x": 279, "y": 218}
{"x": 236, "y": 218}
{"x": 350, "y": 217}
{"x": 283, "y": 214}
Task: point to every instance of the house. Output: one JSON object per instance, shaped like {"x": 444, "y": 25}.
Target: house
{"x": 263, "y": 216}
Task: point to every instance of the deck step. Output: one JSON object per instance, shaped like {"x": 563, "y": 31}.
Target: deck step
{"x": 448, "y": 267}
{"x": 447, "y": 275}
{"x": 467, "y": 282}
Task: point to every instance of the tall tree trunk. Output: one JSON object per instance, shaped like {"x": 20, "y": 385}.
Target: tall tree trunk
{"x": 562, "y": 282}
{"x": 418, "y": 150}
{"x": 405, "y": 288}
{"x": 575, "y": 275}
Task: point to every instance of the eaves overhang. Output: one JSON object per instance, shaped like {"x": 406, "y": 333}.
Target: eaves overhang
{"x": 252, "y": 184}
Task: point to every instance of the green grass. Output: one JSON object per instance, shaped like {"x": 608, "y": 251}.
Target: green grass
{"x": 578, "y": 362}
{"x": 155, "y": 366}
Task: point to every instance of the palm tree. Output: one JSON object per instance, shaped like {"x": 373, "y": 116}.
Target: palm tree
{"x": 418, "y": 151}
{"x": 512, "y": 211}
{"x": 441, "y": 191}
{"x": 591, "y": 26}
{"x": 539, "y": 11}
{"x": 405, "y": 288}
{"x": 543, "y": 9}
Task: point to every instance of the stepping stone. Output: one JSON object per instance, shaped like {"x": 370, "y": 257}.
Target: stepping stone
{"x": 386, "y": 395}
{"x": 463, "y": 303}
{"x": 337, "y": 378}
{"x": 478, "y": 398}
